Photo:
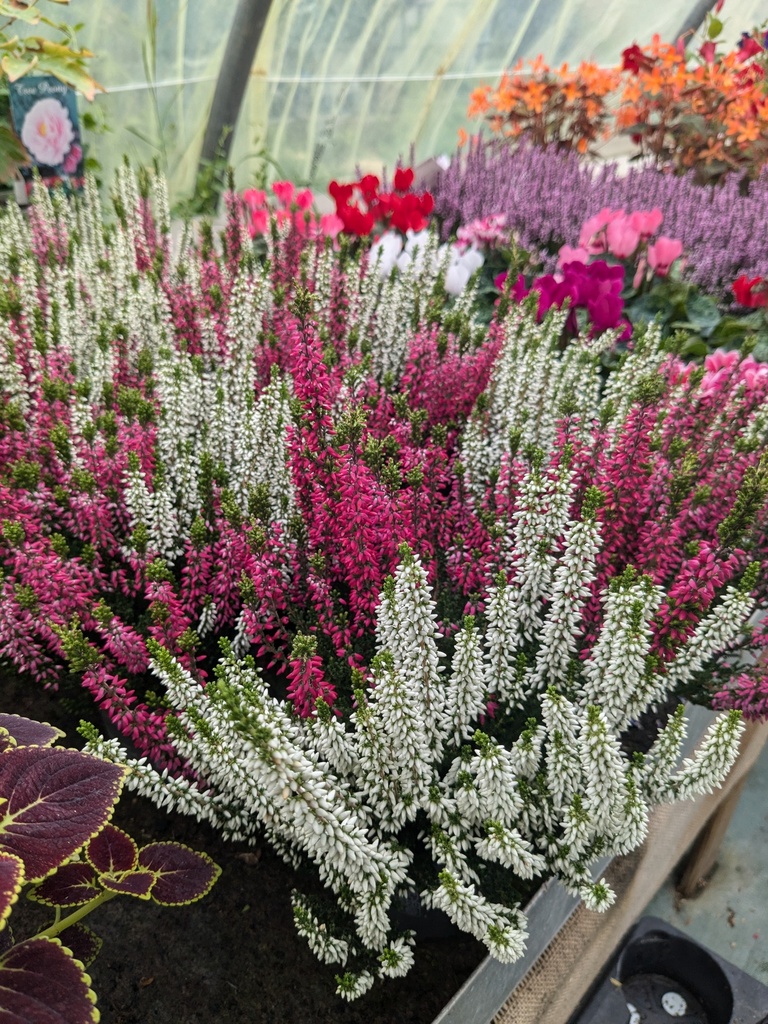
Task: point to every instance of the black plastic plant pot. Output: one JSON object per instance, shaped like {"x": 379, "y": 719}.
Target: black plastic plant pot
{"x": 661, "y": 976}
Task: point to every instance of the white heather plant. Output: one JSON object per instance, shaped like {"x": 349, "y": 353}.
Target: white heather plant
{"x": 473, "y": 561}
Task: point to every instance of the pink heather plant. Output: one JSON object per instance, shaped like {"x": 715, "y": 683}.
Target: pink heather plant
{"x": 212, "y": 448}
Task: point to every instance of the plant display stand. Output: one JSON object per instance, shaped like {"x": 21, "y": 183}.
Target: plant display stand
{"x": 568, "y": 945}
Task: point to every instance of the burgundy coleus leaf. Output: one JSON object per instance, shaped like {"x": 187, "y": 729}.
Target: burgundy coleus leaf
{"x": 27, "y": 733}
{"x": 83, "y": 944}
{"x": 41, "y": 982}
{"x": 71, "y": 885}
{"x": 11, "y": 881}
{"x": 112, "y": 851}
{"x": 53, "y": 802}
{"x": 130, "y": 883}
{"x": 183, "y": 875}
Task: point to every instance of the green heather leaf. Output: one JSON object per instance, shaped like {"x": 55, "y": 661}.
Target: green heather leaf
{"x": 130, "y": 883}
{"x": 54, "y": 801}
{"x": 112, "y": 851}
{"x": 28, "y": 733}
{"x": 71, "y": 886}
{"x": 183, "y": 875}
{"x": 41, "y": 982}
{"x": 11, "y": 881}
{"x": 83, "y": 944}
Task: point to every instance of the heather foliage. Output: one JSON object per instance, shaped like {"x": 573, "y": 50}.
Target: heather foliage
{"x": 402, "y": 581}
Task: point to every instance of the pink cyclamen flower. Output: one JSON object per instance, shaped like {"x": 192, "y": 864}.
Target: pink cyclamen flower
{"x": 259, "y": 223}
{"x": 304, "y": 199}
{"x": 663, "y": 253}
{"x": 284, "y": 190}
{"x": 48, "y": 132}
{"x": 647, "y": 222}
{"x": 254, "y": 198}
{"x": 73, "y": 158}
{"x": 592, "y": 236}
{"x": 569, "y": 254}
{"x": 331, "y": 225}
{"x": 622, "y": 237}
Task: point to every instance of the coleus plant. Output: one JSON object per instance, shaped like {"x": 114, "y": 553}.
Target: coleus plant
{"x": 57, "y": 841}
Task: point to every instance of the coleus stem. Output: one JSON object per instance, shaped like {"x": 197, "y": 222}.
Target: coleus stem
{"x": 77, "y": 915}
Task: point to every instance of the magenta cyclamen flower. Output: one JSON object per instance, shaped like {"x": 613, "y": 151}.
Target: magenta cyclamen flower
{"x": 595, "y": 287}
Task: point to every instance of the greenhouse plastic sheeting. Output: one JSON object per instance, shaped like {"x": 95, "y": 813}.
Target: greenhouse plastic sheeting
{"x": 336, "y": 84}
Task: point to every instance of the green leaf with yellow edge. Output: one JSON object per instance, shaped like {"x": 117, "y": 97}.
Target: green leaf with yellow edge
{"x": 69, "y": 72}
{"x": 16, "y": 67}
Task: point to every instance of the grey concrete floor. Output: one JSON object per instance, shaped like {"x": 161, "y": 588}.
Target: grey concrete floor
{"x": 730, "y": 914}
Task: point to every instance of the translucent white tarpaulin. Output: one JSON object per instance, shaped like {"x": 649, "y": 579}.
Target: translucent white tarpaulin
{"x": 338, "y": 83}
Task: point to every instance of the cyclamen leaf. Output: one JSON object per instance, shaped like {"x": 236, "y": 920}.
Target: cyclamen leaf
{"x": 56, "y": 800}
{"x": 130, "y": 883}
{"x": 70, "y": 886}
{"x": 83, "y": 944}
{"x": 41, "y": 982}
{"x": 183, "y": 875}
{"x": 28, "y": 733}
{"x": 112, "y": 850}
{"x": 11, "y": 881}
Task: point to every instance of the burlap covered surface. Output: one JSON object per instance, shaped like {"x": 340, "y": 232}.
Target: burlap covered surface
{"x": 563, "y": 974}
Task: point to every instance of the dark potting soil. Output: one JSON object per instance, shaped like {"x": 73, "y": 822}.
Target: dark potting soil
{"x": 235, "y": 956}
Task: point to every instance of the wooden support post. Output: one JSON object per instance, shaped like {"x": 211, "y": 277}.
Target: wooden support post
{"x": 703, "y": 854}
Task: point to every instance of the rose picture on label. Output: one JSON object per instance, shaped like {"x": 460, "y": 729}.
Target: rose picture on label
{"x": 44, "y": 112}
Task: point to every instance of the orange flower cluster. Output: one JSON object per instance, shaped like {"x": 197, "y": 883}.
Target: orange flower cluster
{"x": 704, "y": 112}
{"x": 711, "y": 116}
{"x": 549, "y": 107}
